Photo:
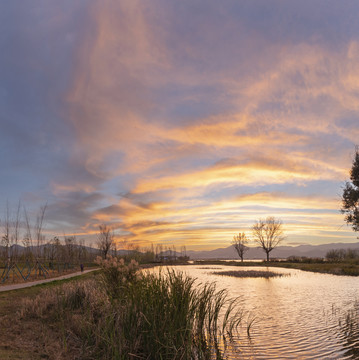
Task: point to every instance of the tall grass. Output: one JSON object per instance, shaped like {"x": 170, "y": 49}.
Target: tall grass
{"x": 164, "y": 316}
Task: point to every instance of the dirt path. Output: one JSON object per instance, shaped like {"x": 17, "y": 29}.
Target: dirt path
{"x": 43, "y": 281}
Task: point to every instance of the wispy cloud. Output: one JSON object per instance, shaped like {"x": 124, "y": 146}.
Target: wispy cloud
{"x": 142, "y": 93}
{"x": 181, "y": 122}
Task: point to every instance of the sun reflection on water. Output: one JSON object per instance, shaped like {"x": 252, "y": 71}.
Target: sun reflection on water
{"x": 300, "y": 316}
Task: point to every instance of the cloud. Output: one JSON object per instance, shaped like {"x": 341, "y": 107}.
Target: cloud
{"x": 212, "y": 222}
{"x": 114, "y": 96}
{"x": 180, "y": 121}
{"x": 163, "y": 109}
{"x": 255, "y": 172}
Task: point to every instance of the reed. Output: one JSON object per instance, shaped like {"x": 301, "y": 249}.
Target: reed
{"x": 250, "y": 274}
{"x": 163, "y": 316}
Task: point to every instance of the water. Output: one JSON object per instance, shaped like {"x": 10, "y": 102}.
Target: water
{"x": 301, "y": 315}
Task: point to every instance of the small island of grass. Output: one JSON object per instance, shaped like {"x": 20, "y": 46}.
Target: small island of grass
{"x": 249, "y": 274}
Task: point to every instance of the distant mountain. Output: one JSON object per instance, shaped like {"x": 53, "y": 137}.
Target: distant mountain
{"x": 19, "y": 249}
{"x": 254, "y": 253}
{"x": 281, "y": 252}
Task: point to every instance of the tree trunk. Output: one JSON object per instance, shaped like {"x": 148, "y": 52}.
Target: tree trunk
{"x": 268, "y": 256}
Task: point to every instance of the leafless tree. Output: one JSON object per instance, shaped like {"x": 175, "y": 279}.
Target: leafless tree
{"x": 70, "y": 248}
{"x": 33, "y": 237}
{"x": 105, "y": 239}
{"x": 52, "y": 249}
{"x": 6, "y": 237}
{"x": 11, "y": 231}
{"x": 159, "y": 252}
{"x": 114, "y": 248}
{"x": 39, "y": 228}
{"x": 268, "y": 233}
{"x": 27, "y": 240}
{"x": 183, "y": 251}
{"x": 82, "y": 250}
{"x": 16, "y": 223}
{"x": 240, "y": 242}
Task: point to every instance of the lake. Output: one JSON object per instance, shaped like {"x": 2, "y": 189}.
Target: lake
{"x": 301, "y": 315}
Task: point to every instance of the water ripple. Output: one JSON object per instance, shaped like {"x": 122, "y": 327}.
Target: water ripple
{"x": 301, "y": 316}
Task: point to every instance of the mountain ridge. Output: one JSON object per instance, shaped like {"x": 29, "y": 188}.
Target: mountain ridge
{"x": 280, "y": 252}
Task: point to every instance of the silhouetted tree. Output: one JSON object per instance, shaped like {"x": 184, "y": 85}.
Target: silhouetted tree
{"x": 268, "y": 233}
{"x": 70, "y": 248}
{"x": 105, "y": 239}
{"x": 38, "y": 229}
{"x": 11, "y": 231}
{"x": 239, "y": 243}
{"x": 350, "y": 199}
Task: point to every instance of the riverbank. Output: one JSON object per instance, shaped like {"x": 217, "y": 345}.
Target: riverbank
{"x": 32, "y": 338}
{"x": 116, "y": 313}
{"x": 333, "y": 268}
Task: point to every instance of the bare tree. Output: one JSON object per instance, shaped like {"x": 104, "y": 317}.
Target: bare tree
{"x": 27, "y": 240}
{"x": 16, "y": 223}
{"x": 11, "y": 231}
{"x": 33, "y": 237}
{"x": 82, "y": 251}
{"x": 70, "y": 248}
{"x": 6, "y": 237}
{"x": 268, "y": 233}
{"x": 105, "y": 239}
{"x": 39, "y": 228}
{"x": 52, "y": 249}
{"x": 239, "y": 242}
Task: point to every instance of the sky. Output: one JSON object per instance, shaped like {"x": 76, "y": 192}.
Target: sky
{"x": 179, "y": 123}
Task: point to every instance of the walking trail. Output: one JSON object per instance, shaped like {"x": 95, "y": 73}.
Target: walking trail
{"x": 43, "y": 281}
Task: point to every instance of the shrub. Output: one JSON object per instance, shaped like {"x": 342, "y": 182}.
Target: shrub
{"x": 340, "y": 255}
{"x": 116, "y": 275}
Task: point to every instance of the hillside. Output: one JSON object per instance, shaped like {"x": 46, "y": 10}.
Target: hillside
{"x": 280, "y": 252}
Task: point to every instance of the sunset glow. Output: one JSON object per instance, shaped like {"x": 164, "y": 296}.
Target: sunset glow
{"x": 180, "y": 122}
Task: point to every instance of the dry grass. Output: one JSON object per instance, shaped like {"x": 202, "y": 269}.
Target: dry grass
{"x": 315, "y": 265}
{"x": 153, "y": 317}
{"x": 32, "y": 337}
{"x": 15, "y": 277}
{"x": 249, "y": 274}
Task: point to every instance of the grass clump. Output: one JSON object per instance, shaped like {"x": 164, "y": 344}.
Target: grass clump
{"x": 249, "y": 274}
{"x": 133, "y": 315}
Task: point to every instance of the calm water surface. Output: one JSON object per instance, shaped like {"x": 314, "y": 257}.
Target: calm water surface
{"x": 299, "y": 316}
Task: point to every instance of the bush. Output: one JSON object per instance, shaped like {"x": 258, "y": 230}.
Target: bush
{"x": 340, "y": 255}
{"x": 305, "y": 260}
{"x": 116, "y": 275}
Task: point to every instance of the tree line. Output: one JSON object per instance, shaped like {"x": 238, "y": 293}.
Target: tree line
{"x": 22, "y": 239}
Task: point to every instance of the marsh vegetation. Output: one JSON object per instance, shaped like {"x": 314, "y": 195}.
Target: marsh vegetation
{"x": 250, "y": 274}
{"x": 300, "y": 315}
{"x": 173, "y": 313}
{"x": 125, "y": 314}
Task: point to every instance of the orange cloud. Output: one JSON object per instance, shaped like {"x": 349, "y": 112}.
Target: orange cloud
{"x": 212, "y": 223}
{"x": 257, "y": 172}
{"x": 59, "y": 189}
{"x": 277, "y": 126}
